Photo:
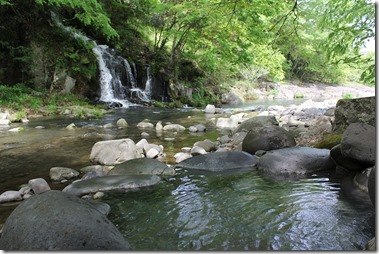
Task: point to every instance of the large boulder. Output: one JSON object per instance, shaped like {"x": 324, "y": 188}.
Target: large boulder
{"x": 55, "y": 220}
{"x": 257, "y": 121}
{"x": 267, "y": 138}
{"x": 142, "y": 166}
{"x": 359, "y": 110}
{"x": 220, "y": 162}
{"x": 111, "y": 183}
{"x": 359, "y": 143}
{"x": 295, "y": 161}
{"x": 112, "y": 152}
{"x": 231, "y": 98}
{"x": 352, "y": 165}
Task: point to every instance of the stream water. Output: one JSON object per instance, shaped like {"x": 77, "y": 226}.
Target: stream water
{"x": 246, "y": 211}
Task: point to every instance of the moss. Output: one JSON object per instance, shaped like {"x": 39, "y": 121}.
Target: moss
{"x": 329, "y": 141}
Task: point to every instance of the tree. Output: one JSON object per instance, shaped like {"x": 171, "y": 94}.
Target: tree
{"x": 349, "y": 24}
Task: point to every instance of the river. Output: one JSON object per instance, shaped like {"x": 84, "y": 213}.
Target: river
{"x": 246, "y": 211}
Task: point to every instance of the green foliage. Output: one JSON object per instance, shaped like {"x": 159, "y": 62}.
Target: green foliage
{"x": 349, "y": 23}
{"x": 18, "y": 97}
{"x": 298, "y": 96}
{"x": 347, "y": 96}
{"x": 89, "y": 13}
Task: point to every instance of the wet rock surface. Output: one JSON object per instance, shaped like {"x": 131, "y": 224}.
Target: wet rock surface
{"x": 37, "y": 224}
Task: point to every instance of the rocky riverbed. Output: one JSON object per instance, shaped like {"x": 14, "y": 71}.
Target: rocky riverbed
{"x": 248, "y": 140}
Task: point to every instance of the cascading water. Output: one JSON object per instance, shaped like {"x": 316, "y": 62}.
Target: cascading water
{"x": 118, "y": 83}
{"x": 148, "y": 82}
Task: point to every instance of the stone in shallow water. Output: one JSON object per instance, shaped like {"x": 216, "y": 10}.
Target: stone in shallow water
{"x": 235, "y": 161}
{"x": 296, "y": 161}
{"x": 55, "y": 220}
{"x": 111, "y": 183}
{"x": 142, "y": 166}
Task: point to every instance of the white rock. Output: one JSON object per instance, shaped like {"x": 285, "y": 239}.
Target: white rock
{"x": 145, "y": 134}
{"x": 4, "y": 122}
{"x": 174, "y": 127}
{"x": 122, "y": 123}
{"x": 210, "y": 109}
{"x": 227, "y": 123}
{"x": 98, "y": 195}
{"x": 71, "y": 126}
{"x": 192, "y": 129}
{"x": 179, "y": 157}
{"x": 39, "y": 185}
{"x": 196, "y": 150}
{"x": 17, "y": 129}
{"x": 142, "y": 143}
{"x": 145, "y": 125}
{"x": 159, "y": 126}
{"x": 152, "y": 153}
{"x": 186, "y": 149}
{"x": 10, "y": 196}
{"x": 108, "y": 126}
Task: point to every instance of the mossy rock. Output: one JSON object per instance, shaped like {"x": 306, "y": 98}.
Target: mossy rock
{"x": 329, "y": 141}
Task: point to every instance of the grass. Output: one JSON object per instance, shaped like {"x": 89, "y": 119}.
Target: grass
{"x": 22, "y": 99}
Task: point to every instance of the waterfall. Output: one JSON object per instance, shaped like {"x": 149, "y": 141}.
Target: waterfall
{"x": 118, "y": 81}
{"x": 148, "y": 82}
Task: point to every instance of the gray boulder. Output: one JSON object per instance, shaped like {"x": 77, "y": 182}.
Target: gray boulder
{"x": 346, "y": 162}
{"x": 55, "y": 220}
{"x": 142, "y": 166}
{"x": 359, "y": 110}
{"x": 230, "y": 98}
{"x": 267, "y": 138}
{"x": 111, "y": 183}
{"x": 296, "y": 161}
{"x": 220, "y": 162}
{"x": 257, "y": 121}
{"x": 62, "y": 173}
{"x": 359, "y": 143}
{"x": 112, "y": 152}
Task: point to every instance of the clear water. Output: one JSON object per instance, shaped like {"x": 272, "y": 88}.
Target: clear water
{"x": 242, "y": 212}
{"x": 247, "y": 211}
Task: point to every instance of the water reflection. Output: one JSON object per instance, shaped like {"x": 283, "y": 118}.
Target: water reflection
{"x": 244, "y": 212}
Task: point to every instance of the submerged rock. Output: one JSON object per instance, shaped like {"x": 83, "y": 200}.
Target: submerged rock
{"x": 220, "y": 162}
{"x": 111, "y": 183}
{"x": 62, "y": 173}
{"x": 55, "y": 220}
{"x": 142, "y": 166}
{"x": 296, "y": 161}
